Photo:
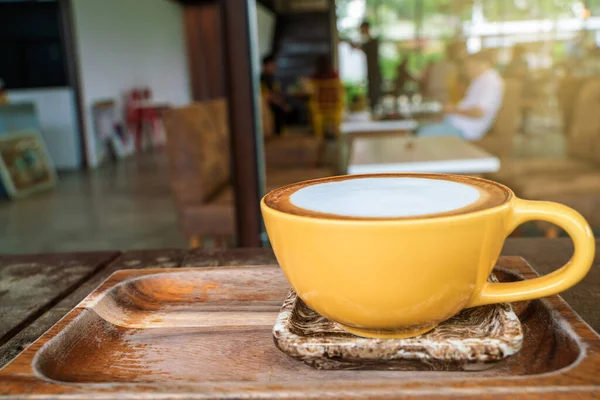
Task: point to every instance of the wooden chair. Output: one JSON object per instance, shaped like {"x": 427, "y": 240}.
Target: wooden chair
{"x": 199, "y": 157}
{"x": 499, "y": 140}
{"x": 567, "y": 93}
{"x": 326, "y": 106}
{"x": 574, "y": 180}
{"x": 442, "y": 83}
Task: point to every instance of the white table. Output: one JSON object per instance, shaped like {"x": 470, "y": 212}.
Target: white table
{"x": 442, "y": 154}
{"x": 365, "y": 127}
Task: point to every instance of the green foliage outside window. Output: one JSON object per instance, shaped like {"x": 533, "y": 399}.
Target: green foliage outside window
{"x": 354, "y": 90}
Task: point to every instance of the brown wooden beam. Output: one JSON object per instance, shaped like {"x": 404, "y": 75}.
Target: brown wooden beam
{"x": 242, "y": 94}
{"x": 334, "y": 35}
{"x": 203, "y": 29}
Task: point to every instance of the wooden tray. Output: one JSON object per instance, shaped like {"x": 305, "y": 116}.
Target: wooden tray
{"x": 207, "y": 333}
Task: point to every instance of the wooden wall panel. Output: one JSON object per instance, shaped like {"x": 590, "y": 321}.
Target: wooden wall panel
{"x": 203, "y": 24}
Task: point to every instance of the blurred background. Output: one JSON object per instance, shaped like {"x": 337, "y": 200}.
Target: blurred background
{"x": 131, "y": 124}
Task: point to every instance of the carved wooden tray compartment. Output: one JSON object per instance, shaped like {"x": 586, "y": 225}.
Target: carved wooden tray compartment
{"x": 207, "y": 333}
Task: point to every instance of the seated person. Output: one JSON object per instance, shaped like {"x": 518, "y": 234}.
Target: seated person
{"x": 279, "y": 107}
{"x": 474, "y": 115}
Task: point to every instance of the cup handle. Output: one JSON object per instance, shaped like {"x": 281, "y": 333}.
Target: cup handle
{"x": 557, "y": 281}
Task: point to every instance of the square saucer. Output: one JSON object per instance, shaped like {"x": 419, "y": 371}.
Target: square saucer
{"x": 474, "y": 339}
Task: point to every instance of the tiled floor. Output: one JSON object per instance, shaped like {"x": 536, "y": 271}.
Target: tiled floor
{"x": 121, "y": 206}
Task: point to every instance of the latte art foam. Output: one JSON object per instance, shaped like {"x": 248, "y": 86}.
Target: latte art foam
{"x": 385, "y": 197}
{"x": 389, "y": 196}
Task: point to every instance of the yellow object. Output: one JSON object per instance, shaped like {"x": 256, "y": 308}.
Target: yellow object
{"x": 326, "y": 105}
{"x": 400, "y": 278}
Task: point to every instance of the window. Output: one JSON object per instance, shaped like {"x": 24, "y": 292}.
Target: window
{"x": 31, "y": 49}
{"x": 419, "y": 29}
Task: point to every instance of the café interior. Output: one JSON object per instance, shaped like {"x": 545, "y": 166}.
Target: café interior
{"x": 138, "y": 137}
{"x": 297, "y": 95}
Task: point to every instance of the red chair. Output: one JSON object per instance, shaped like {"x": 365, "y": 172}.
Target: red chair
{"x": 132, "y": 116}
{"x": 143, "y": 116}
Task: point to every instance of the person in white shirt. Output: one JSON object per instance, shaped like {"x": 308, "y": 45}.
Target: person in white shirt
{"x": 474, "y": 115}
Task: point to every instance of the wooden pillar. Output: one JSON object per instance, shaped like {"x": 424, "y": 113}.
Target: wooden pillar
{"x": 334, "y": 35}
{"x": 241, "y": 71}
{"x": 222, "y": 48}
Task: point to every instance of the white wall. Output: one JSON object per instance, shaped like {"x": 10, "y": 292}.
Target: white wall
{"x": 130, "y": 43}
{"x": 266, "y": 29}
{"x": 58, "y": 122}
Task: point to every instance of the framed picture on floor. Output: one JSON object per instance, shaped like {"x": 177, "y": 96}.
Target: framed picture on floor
{"x": 109, "y": 134}
{"x": 103, "y": 113}
{"x": 25, "y": 166}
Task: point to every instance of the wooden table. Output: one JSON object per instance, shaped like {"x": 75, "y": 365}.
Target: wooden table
{"x": 37, "y": 290}
{"x": 443, "y": 154}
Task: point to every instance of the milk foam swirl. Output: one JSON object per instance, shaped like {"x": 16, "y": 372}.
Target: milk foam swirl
{"x": 385, "y": 197}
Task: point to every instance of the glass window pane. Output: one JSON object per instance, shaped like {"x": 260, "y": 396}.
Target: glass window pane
{"x": 440, "y": 18}
{"x": 395, "y": 19}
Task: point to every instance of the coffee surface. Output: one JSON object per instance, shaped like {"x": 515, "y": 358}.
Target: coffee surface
{"x": 387, "y": 197}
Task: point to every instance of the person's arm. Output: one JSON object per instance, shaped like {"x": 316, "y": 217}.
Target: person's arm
{"x": 352, "y": 44}
{"x": 276, "y": 99}
{"x": 470, "y": 112}
{"x": 487, "y": 99}
{"x": 273, "y": 97}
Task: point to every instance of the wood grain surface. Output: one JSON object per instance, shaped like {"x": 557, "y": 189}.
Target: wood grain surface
{"x": 206, "y": 333}
{"x": 47, "y": 316}
{"x": 547, "y": 255}
{"x": 30, "y": 285}
{"x": 544, "y": 255}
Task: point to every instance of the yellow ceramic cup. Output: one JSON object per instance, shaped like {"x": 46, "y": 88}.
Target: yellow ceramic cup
{"x": 396, "y": 278}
